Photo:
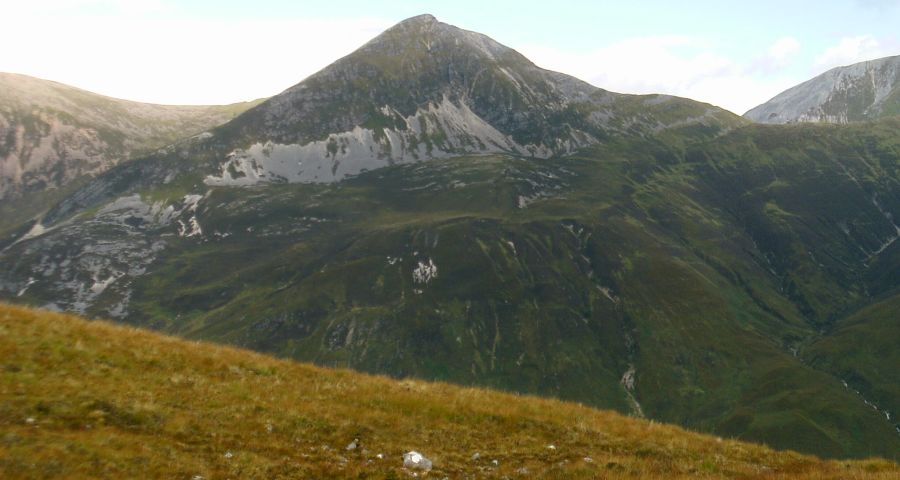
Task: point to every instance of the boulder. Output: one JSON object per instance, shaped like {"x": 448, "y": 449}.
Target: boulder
{"x": 416, "y": 461}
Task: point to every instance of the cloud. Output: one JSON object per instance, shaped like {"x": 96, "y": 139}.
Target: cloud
{"x": 783, "y": 49}
{"x": 850, "y": 50}
{"x": 780, "y": 55}
{"x": 678, "y": 65}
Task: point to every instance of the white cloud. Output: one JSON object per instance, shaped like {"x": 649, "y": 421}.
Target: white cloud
{"x": 780, "y": 55}
{"x": 784, "y": 48}
{"x": 678, "y": 65}
{"x": 850, "y": 50}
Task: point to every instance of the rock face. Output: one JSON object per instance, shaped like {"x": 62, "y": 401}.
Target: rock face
{"x": 862, "y": 91}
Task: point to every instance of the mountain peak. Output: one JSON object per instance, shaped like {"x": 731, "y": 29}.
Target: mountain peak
{"x": 425, "y": 18}
{"x": 425, "y": 35}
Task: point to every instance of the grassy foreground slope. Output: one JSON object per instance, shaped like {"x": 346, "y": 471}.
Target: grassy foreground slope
{"x": 90, "y": 400}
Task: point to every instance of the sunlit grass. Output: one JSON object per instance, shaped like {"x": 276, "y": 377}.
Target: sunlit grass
{"x": 85, "y": 399}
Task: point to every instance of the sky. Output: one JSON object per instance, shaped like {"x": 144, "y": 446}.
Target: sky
{"x": 732, "y": 54}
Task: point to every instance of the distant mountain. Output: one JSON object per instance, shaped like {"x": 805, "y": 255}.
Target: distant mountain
{"x": 53, "y": 136}
{"x": 648, "y": 254}
{"x": 862, "y": 91}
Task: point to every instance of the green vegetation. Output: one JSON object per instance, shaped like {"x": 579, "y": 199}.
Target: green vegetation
{"x": 862, "y": 349}
{"x": 720, "y": 271}
{"x": 90, "y": 400}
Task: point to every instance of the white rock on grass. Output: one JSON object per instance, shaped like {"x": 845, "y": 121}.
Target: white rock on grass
{"x": 417, "y": 461}
{"x": 425, "y": 272}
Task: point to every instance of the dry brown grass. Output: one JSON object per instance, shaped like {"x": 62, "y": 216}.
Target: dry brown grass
{"x": 85, "y": 399}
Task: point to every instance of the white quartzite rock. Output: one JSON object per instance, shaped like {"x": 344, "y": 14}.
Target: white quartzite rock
{"x": 416, "y": 461}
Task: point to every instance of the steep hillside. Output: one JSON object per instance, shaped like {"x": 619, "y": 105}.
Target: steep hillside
{"x": 53, "y": 137}
{"x": 679, "y": 283}
{"x": 681, "y": 267}
{"x": 862, "y": 350}
{"x": 863, "y": 91}
{"x": 89, "y": 400}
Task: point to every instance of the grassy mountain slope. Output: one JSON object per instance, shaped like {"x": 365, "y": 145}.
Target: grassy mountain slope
{"x": 91, "y": 400}
{"x": 862, "y": 350}
{"x": 679, "y": 280}
{"x": 54, "y": 137}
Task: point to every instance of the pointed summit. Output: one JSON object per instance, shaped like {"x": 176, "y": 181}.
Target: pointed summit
{"x": 424, "y": 34}
{"x": 423, "y": 19}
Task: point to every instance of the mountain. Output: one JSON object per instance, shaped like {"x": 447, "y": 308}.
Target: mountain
{"x": 92, "y": 400}
{"x": 681, "y": 265}
{"x": 863, "y": 91}
{"x": 421, "y": 90}
{"x": 424, "y": 89}
{"x": 54, "y": 137}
